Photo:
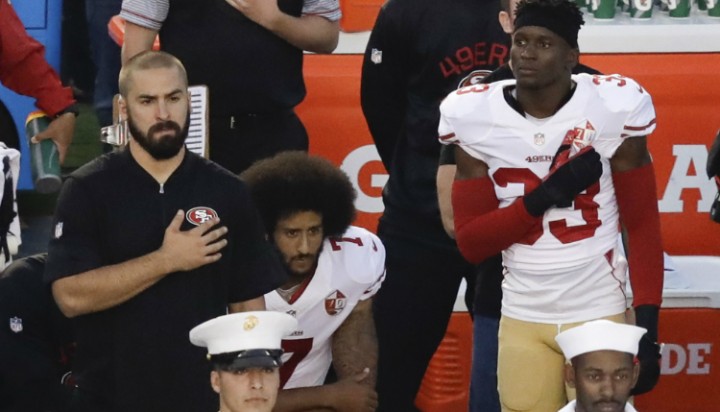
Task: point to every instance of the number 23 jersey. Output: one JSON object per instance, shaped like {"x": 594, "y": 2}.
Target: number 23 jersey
{"x": 565, "y": 269}
{"x": 350, "y": 269}
{"x": 602, "y": 113}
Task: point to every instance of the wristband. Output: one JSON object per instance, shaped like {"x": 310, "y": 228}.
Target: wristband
{"x": 73, "y": 108}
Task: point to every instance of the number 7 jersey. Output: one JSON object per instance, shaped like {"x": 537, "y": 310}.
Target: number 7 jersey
{"x": 555, "y": 258}
{"x": 350, "y": 269}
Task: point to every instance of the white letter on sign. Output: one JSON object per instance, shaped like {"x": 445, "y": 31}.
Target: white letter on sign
{"x": 680, "y": 179}
{"x": 353, "y": 164}
{"x": 696, "y": 361}
{"x": 670, "y": 349}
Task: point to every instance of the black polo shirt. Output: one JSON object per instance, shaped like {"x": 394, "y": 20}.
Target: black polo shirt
{"x": 137, "y": 356}
{"x": 247, "y": 68}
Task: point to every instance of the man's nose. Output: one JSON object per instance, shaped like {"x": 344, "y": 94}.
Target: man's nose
{"x": 256, "y": 379}
{"x": 303, "y": 244}
{"x": 607, "y": 390}
{"x": 528, "y": 52}
{"x": 162, "y": 111}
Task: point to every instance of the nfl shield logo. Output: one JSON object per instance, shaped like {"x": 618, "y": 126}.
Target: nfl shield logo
{"x": 16, "y": 325}
{"x": 539, "y": 139}
{"x": 376, "y": 56}
{"x": 335, "y": 303}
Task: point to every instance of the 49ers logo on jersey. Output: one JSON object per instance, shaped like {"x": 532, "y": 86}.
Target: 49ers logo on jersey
{"x": 199, "y": 215}
{"x": 335, "y": 303}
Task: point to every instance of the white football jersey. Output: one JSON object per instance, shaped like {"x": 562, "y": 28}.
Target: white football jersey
{"x": 602, "y": 112}
{"x": 350, "y": 269}
{"x": 570, "y": 407}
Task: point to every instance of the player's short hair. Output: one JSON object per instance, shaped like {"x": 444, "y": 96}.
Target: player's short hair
{"x": 149, "y": 59}
{"x": 562, "y": 17}
{"x": 292, "y": 182}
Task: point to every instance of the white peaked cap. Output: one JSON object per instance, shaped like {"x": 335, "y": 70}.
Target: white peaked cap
{"x": 243, "y": 331}
{"x": 600, "y": 335}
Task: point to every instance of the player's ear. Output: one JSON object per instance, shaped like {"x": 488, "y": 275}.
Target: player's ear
{"x": 122, "y": 107}
{"x": 636, "y": 372}
{"x": 215, "y": 381}
{"x": 573, "y": 58}
{"x": 569, "y": 375}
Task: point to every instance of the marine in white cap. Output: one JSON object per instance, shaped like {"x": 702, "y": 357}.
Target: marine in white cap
{"x": 245, "y": 349}
{"x": 602, "y": 368}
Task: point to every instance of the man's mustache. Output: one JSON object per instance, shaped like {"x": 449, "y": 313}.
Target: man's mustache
{"x": 164, "y": 125}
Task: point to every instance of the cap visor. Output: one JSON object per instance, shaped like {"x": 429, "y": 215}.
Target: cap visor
{"x": 249, "y": 359}
{"x": 248, "y": 363}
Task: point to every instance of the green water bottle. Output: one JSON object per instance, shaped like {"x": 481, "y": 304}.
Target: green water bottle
{"x": 44, "y": 156}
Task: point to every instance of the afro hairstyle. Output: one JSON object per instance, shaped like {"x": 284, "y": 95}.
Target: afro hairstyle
{"x": 294, "y": 181}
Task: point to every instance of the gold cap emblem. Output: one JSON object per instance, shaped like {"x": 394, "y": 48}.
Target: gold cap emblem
{"x": 250, "y": 322}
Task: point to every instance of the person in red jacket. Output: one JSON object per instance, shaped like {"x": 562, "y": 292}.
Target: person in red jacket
{"x": 23, "y": 69}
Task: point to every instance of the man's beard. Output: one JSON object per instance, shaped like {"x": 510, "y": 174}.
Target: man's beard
{"x": 165, "y": 147}
{"x": 287, "y": 264}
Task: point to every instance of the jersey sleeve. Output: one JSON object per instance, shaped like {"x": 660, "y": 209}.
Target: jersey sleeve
{"x": 363, "y": 258}
{"x": 376, "y": 266}
{"x": 625, "y": 97}
{"x": 446, "y": 128}
{"x": 641, "y": 121}
{"x": 467, "y": 117}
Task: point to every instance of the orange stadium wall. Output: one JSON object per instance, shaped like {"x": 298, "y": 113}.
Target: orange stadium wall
{"x": 686, "y": 94}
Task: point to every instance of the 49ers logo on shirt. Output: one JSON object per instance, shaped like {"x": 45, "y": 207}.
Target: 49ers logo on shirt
{"x": 199, "y": 215}
{"x": 335, "y": 303}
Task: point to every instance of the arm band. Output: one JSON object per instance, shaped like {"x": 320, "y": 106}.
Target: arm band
{"x": 447, "y": 155}
{"x": 481, "y": 228}
{"x": 638, "y": 205}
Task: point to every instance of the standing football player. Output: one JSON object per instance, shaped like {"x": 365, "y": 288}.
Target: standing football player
{"x": 546, "y": 177}
{"x": 485, "y": 308}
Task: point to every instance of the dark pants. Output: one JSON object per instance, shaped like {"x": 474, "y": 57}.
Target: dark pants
{"x": 484, "y": 395}
{"x": 237, "y": 142}
{"x": 84, "y": 402}
{"x": 412, "y": 310}
{"x": 105, "y": 56}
